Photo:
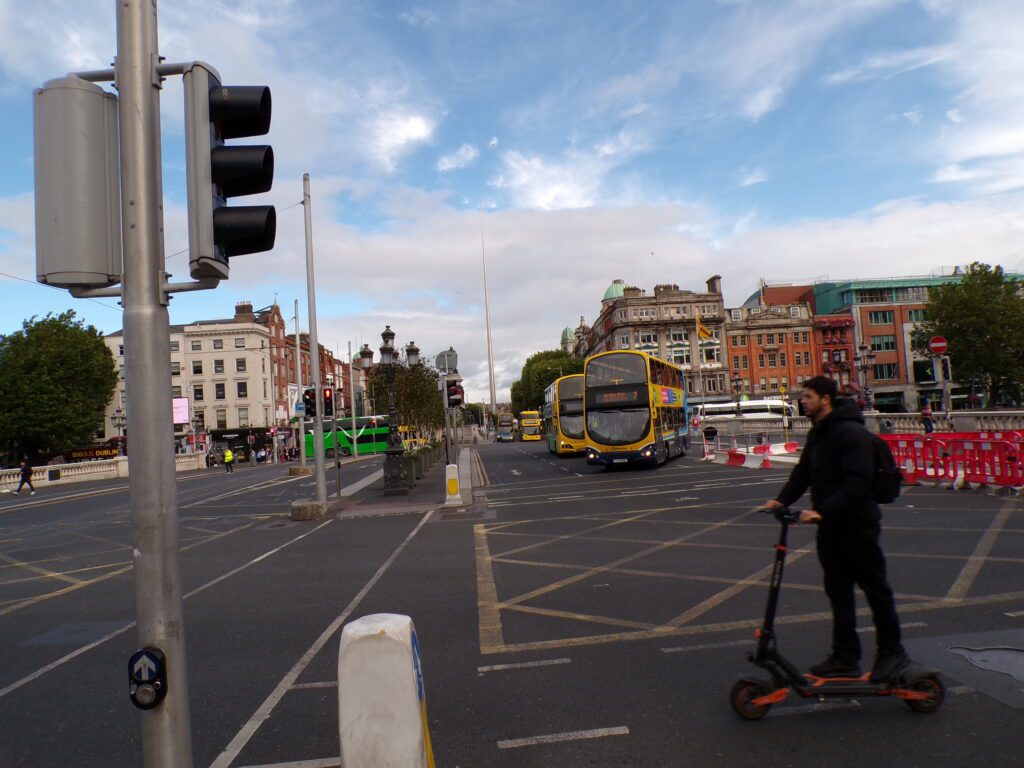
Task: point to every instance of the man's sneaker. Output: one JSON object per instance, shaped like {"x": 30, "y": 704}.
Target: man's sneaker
{"x": 16, "y": 493}
{"x": 887, "y": 666}
{"x": 32, "y": 494}
{"x": 834, "y": 666}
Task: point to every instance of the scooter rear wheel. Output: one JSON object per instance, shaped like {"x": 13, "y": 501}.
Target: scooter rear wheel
{"x": 742, "y": 698}
{"x": 936, "y": 691}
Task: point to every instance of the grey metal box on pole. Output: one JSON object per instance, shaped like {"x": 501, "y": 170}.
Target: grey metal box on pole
{"x": 77, "y": 184}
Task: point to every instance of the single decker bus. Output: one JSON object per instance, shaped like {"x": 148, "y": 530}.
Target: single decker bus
{"x": 529, "y": 426}
{"x": 634, "y": 409}
{"x": 563, "y": 415}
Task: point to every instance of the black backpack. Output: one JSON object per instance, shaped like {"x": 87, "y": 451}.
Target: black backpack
{"x": 888, "y": 477}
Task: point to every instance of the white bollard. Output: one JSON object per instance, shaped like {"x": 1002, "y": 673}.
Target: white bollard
{"x": 451, "y": 484}
{"x": 382, "y": 710}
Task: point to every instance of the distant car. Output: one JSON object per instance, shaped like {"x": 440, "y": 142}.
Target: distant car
{"x": 504, "y": 436}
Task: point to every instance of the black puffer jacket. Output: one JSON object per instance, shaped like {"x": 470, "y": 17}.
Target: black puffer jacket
{"x": 837, "y": 464}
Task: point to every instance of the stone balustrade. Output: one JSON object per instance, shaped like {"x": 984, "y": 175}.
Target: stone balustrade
{"x": 84, "y": 471}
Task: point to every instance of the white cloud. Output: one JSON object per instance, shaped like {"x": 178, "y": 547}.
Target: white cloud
{"x": 889, "y": 64}
{"x": 753, "y": 176}
{"x": 913, "y": 116}
{"x": 395, "y": 135}
{"x": 458, "y": 159}
{"x": 419, "y": 17}
{"x": 493, "y": 143}
{"x": 954, "y": 116}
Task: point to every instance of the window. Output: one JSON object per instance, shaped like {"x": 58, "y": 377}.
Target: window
{"x": 826, "y": 356}
{"x": 711, "y": 354}
{"x": 680, "y": 337}
{"x": 764, "y": 383}
{"x": 774, "y": 382}
{"x": 175, "y": 391}
{"x": 737, "y": 315}
{"x": 794, "y": 311}
{"x": 882, "y": 371}
{"x": 624, "y": 340}
{"x": 242, "y": 387}
{"x": 623, "y": 314}
{"x": 746, "y": 362}
{"x": 760, "y": 361}
{"x": 785, "y": 381}
{"x": 197, "y": 346}
{"x": 760, "y": 339}
{"x": 175, "y": 368}
{"x": 175, "y": 346}
{"x": 772, "y": 360}
{"x": 648, "y": 337}
{"x": 218, "y": 391}
{"x": 883, "y": 317}
{"x": 218, "y": 366}
{"x": 222, "y": 418}
{"x": 197, "y": 366}
{"x": 782, "y": 359}
{"x": 218, "y": 343}
{"x": 681, "y": 356}
{"x": 239, "y": 342}
{"x": 200, "y": 417}
{"x": 886, "y": 343}
{"x": 914, "y": 293}
{"x": 917, "y": 315}
{"x": 782, "y": 338}
{"x": 708, "y": 310}
{"x": 803, "y": 337}
{"x": 239, "y": 365}
{"x": 874, "y": 295}
{"x": 243, "y": 417}
{"x": 197, "y": 392}
{"x": 770, "y": 339}
{"x": 711, "y": 385}
{"x": 735, "y": 362}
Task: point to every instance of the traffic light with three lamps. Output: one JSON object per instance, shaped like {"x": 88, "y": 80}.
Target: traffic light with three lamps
{"x": 328, "y": 401}
{"x": 454, "y": 395}
{"x": 309, "y": 402}
{"x": 215, "y": 172}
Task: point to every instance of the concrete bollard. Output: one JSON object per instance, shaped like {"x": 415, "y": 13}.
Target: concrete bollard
{"x": 451, "y": 484}
{"x": 382, "y": 710}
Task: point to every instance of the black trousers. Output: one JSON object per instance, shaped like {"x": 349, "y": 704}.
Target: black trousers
{"x": 849, "y": 558}
{"x": 25, "y": 480}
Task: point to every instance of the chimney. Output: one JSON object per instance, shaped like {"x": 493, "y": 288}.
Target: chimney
{"x": 244, "y": 313}
{"x": 715, "y": 284}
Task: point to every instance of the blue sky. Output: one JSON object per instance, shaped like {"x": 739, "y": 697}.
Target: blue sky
{"x": 654, "y": 142}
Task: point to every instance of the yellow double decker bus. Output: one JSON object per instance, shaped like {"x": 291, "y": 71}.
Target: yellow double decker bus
{"x": 634, "y": 409}
{"x": 563, "y": 415}
{"x": 529, "y": 425}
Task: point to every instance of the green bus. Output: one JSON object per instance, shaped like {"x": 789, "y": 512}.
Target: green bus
{"x": 371, "y": 436}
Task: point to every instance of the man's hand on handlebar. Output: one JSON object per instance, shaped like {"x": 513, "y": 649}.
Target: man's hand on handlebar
{"x": 772, "y": 504}
{"x": 808, "y": 516}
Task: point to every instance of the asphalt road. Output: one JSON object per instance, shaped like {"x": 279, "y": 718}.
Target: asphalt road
{"x": 576, "y": 617}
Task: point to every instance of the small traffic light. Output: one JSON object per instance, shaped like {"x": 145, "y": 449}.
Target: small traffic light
{"x": 454, "y": 396}
{"x": 215, "y": 172}
{"x": 328, "y": 401}
{"x": 309, "y": 401}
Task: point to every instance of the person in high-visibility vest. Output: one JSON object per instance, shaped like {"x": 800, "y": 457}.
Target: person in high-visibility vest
{"x": 229, "y": 460}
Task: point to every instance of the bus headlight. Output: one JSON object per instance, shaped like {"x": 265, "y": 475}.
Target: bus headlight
{"x": 647, "y": 451}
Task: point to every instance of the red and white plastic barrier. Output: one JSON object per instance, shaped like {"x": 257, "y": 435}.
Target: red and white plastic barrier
{"x": 961, "y": 459}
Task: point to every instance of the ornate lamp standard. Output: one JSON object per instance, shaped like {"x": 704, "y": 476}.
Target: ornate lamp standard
{"x": 737, "y": 382}
{"x": 118, "y": 420}
{"x": 396, "y": 474}
{"x": 863, "y": 362}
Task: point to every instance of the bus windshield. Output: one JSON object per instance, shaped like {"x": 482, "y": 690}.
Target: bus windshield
{"x": 616, "y": 369}
{"x": 618, "y": 426}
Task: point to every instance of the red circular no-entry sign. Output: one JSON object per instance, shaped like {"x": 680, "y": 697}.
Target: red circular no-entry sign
{"x": 938, "y": 345}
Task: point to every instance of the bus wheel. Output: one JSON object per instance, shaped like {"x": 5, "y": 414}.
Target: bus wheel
{"x": 346, "y": 452}
{"x": 329, "y": 453}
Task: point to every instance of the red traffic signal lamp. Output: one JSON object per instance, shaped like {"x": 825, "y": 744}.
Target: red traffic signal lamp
{"x": 328, "y": 401}
{"x": 215, "y": 172}
{"x": 309, "y": 402}
{"x": 455, "y": 396}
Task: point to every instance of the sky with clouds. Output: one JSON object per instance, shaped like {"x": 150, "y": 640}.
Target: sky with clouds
{"x": 571, "y": 143}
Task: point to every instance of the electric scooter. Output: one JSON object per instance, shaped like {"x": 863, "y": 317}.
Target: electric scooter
{"x": 919, "y": 687}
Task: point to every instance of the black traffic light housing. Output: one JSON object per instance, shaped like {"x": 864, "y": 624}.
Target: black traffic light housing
{"x": 328, "y": 401}
{"x": 309, "y": 402}
{"x": 454, "y": 395}
{"x": 215, "y": 113}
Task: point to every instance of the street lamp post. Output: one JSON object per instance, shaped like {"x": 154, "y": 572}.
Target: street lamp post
{"x": 196, "y": 423}
{"x": 118, "y": 420}
{"x": 737, "y": 382}
{"x": 396, "y": 474}
{"x": 864, "y": 361}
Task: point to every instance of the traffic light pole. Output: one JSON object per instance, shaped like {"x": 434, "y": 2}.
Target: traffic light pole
{"x": 314, "y": 353}
{"x": 166, "y": 736}
{"x": 301, "y": 420}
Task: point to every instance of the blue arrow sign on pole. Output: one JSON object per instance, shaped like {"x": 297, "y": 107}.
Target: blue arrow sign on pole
{"x": 144, "y": 666}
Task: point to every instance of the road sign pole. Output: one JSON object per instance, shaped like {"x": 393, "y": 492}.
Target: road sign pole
{"x": 166, "y": 736}
{"x": 301, "y": 421}
{"x": 314, "y": 352}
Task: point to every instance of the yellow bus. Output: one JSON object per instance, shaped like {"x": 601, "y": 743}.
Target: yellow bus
{"x": 563, "y": 415}
{"x": 529, "y": 425}
{"x": 634, "y": 409}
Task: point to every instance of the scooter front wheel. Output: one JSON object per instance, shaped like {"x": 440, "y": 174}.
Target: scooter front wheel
{"x": 742, "y": 698}
{"x": 930, "y": 685}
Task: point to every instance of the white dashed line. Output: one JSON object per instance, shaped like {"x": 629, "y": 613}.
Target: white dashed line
{"x": 553, "y": 738}
{"x": 523, "y": 665}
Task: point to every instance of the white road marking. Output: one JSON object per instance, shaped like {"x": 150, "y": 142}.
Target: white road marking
{"x": 373, "y": 477}
{"x": 565, "y": 498}
{"x": 326, "y": 762}
{"x": 227, "y": 757}
{"x": 324, "y": 684}
{"x": 79, "y": 651}
{"x": 553, "y": 738}
{"x": 523, "y": 665}
{"x": 908, "y": 625}
{"x": 961, "y": 689}
{"x": 1014, "y": 614}
{"x": 708, "y": 646}
{"x": 800, "y": 709}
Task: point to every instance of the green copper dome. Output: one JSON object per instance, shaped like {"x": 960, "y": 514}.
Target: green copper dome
{"x": 614, "y": 290}
{"x": 567, "y": 334}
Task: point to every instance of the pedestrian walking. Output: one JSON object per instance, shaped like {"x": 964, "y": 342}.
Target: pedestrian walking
{"x": 837, "y": 465}
{"x": 229, "y": 461}
{"x": 926, "y": 419}
{"x": 26, "y": 477}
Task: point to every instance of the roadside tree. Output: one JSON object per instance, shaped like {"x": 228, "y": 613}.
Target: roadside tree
{"x": 539, "y": 370}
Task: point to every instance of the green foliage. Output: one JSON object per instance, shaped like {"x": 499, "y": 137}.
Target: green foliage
{"x": 982, "y": 317}
{"x": 539, "y": 370}
{"x": 477, "y": 411}
{"x": 417, "y": 397}
{"x": 56, "y": 378}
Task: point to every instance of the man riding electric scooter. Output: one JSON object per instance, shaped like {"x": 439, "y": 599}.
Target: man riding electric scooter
{"x": 837, "y": 464}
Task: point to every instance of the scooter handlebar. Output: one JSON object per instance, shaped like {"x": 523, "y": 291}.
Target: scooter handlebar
{"x": 783, "y": 514}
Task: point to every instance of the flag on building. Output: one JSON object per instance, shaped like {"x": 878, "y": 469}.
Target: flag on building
{"x": 703, "y": 332}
